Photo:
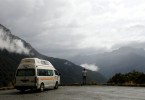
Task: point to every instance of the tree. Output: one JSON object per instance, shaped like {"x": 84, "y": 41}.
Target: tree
{"x": 117, "y": 79}
{"x": 134, "y": 77}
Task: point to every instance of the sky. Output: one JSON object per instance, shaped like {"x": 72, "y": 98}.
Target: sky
{"x": 66, "y": 28}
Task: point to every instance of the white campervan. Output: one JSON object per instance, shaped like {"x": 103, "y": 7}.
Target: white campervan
{"x": 34, "y": 73}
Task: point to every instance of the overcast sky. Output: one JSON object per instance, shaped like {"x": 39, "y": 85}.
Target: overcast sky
{"x": 64, "y": 28}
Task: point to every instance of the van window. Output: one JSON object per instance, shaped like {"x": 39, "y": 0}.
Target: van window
{"x": 25, "y": 72}
{"x": 56, "y": 72}
{"x": 44, "y": 72}
{"x": 50, "y": 73}
{"x": 44, "y": 62}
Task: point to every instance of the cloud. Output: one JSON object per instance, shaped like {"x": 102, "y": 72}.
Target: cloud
{"x": 92, "y": 67}
{"x": 62, "y": 27}
{"x": 12, "y": 45}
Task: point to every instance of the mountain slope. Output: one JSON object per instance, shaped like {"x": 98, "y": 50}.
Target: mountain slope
{"x": 123, "y": 60}
{"x": 8, "y": 63}
{"x": 14, "y": 49}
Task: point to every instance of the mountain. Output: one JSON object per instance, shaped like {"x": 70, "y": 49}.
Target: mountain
{"x": 13, "y": 49}
{"x": 122, "y": 60}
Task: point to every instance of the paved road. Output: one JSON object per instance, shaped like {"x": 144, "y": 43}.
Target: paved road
{"x": 78, "y": 93}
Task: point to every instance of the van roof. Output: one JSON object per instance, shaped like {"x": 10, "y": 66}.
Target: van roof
{"x": 35, "y": 61}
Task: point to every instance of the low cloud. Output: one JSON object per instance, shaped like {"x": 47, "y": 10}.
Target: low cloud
{"x": 11, "y": 44}
{"x": 92, "y": 67}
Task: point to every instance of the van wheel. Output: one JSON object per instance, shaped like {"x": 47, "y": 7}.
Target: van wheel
{"x": 42, "y": 87}
{"x": 56, "y": 85}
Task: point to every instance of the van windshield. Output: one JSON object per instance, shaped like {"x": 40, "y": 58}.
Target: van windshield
{"x": 25, "y": 72}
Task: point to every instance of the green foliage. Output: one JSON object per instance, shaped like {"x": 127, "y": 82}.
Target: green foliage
{"x": 117, "y": 79}
{"x": 133, "y": 77}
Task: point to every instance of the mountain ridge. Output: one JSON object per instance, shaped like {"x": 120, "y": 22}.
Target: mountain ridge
{"x": 9, "y": 61}
{"x": 122, "y": 60}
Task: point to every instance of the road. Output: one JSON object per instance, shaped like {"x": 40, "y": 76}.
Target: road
{"x": 78, "y": 93}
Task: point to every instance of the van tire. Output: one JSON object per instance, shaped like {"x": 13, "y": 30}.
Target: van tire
{"x": 56, "y": 85}
{"x": 42, "y": 87}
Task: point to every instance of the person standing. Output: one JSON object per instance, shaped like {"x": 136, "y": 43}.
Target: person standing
{"x": 84, "y": 74}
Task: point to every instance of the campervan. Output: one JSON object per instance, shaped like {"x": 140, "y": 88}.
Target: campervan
{"x": 35, "y": 73}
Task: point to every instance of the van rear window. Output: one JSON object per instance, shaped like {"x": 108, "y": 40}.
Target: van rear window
{"x": 25, "y": 72}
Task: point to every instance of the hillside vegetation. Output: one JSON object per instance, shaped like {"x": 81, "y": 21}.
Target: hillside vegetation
{"x": 131, "y": 78}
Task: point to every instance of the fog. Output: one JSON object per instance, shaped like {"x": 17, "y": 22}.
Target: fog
{"x": 11, "y": 44}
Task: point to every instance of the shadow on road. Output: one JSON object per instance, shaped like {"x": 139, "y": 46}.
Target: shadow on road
{"x": 16, "y": 92}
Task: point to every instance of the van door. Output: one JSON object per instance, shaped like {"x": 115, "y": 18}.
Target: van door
{"x": 51, "y": 77}
{"x": 45, "y": 76}
{"x": 57, "y": 77}
{"x": 25, "y": 77}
